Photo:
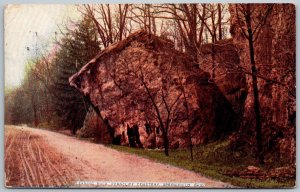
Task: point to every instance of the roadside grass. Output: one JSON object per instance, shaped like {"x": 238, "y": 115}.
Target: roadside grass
{"x": 212, "y": 160}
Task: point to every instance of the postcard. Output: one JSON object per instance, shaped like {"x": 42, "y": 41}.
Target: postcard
{"x": 150, "y": 95}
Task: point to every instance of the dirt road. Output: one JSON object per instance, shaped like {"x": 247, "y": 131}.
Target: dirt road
{"x": 40, "y": 158}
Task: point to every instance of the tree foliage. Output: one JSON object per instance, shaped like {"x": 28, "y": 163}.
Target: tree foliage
{"x": 76, "y": 48}
{"x": 45, "y": 95}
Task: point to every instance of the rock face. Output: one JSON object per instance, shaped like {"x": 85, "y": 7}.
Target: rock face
{"x": 142, "y": 80}
{"x": 275, "y": 58}
{"x": 221, "y": 61}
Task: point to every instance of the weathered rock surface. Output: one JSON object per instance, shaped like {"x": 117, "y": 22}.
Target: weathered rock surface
{"x": 124, "y": 80}
{"x": 275, "y": 58}
{"x": 221, "y": 61}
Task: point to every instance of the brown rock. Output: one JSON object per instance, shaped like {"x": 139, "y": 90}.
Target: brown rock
{"x": 250, "y": 172}
{"x": 221, "y": 61}
{"x": 112, "y": 81}
{"x": 253, "y": 169}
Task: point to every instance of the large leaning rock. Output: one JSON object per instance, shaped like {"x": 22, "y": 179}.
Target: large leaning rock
{"x": 126, "y": 79}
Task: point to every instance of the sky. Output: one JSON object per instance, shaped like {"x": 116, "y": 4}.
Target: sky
{"x": 29, "y": 26}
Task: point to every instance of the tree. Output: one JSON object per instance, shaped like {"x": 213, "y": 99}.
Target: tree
{"x": 187, "y": 111}
{"x": 143, "y": 15}
{"x": 250, "y": 24}
{"x": 109, "y": 20}
{"x": 20, "y": 112}
{"x": 186, "y": 17}
{"x": 186, "y": 24}
{"x": 32, "y": 90}
{"x": 8, "y": 105}
{"x": 41, "y": 72}
{"x": 77, "y": 47}
{"x": 193, "y": 22}
{"x": 24, "y": 102}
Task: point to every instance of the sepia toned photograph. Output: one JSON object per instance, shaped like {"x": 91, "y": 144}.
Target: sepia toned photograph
{"x": 150, "y": 95}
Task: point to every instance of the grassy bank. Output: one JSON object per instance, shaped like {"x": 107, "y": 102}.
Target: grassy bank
{"x": 212, "y": 160}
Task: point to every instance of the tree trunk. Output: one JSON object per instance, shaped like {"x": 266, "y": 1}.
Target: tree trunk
{"x": 191, "y": 144}
{"x": 256, "y": 100}
{"x": 166, "y": 144}
{"x": 191, "y": 151}
{"x": 36, "y": 121}
{"x": 220, "y": 21}
{"x": 35, "y": 115}
{"x": 74, "y": 130}
{"x": 47, "y": 107}
{"x": 188, "y": 122}
{"x": 213, "y": 61}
